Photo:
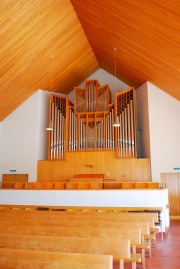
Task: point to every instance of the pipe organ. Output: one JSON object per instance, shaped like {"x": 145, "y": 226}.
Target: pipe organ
{"x": 88, "y": 124}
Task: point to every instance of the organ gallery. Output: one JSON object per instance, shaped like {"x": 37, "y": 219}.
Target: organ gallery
{"x": 88, "y": 124}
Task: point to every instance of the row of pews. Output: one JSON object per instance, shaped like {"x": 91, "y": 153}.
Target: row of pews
{"x": 81, "y": 185}
{"x": 75, "y": 238}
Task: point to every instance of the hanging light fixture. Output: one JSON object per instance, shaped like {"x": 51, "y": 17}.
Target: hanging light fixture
{"x": 50, "y": 125}
{"x": 116, "y": 120}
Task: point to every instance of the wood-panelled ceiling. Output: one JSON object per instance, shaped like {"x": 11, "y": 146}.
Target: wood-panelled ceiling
{"x": 81, "y": 36}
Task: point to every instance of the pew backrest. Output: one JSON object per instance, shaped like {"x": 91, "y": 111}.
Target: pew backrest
{"x": 118, "y": 247}
{"x": 132, "y": 233}
{"x": 22, "y": 258}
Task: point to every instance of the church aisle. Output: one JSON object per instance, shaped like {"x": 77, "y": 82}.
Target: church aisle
{"x": 166, "y": 255}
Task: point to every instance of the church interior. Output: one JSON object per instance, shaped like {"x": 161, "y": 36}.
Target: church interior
{"x": 89, "y": 134}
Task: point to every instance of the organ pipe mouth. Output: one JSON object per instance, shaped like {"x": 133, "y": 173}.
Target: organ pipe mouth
{"x": 116, "y": 122}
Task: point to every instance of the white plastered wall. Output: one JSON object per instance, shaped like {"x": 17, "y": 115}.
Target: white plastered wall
{"x": 164, "y": 125}
{"x": 23, "y": 138}
{"x": 104, "y": 78}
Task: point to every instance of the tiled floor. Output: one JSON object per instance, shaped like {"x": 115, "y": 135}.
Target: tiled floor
{"x": 166, "y": 255}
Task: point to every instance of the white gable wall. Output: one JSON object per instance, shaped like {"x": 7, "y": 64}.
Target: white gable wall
{"x": 164, "y": 125}
{"x": 104, "y": 78}
{"x": 23, "y": 138}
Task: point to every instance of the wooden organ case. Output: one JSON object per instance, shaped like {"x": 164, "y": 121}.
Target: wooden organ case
{"x": 88, "y": 124}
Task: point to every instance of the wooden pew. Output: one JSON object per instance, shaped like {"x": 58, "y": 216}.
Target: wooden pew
{"x": 26, "y": 259}
{"x": 109, "y": 216}
{"x": 60, "y": 185}
{"x": 135, "y": 217}
{"x": 134, "y": 234}
{"x": 119, "y": 248}
{"x": 32, "y": 218}
{"x": 151, "y": 218}
{"x": 86, "y": 224}
{"x": 19, "y": 185}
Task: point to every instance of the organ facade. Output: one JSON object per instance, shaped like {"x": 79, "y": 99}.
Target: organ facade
{"x": 87, "y": 125}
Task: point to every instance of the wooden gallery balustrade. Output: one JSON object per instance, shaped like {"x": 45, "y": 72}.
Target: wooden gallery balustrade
{"x": 88, "y": 124}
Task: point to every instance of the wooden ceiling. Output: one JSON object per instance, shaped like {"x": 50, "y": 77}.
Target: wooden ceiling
{"x": 81, "y": 37}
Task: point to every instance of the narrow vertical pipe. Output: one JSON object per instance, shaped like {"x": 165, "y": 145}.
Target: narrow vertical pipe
{"x": 58, "y": 135}
{"x": 132, "y": 128}
{"x": 55, "y": 133}
{"x": 94, "y": 103}
{"x": 113, "y": 133}
{"x": 70, "y": 129}
{"x": 52, "y": 133}
{"x": 72, "y": 132}
{"x": 106, "y": 141}
{"x": 62, "y": 136}
{"x": 123, "y": 136}
{"x": 108, "y": 131}
{"x": 129, "y": 130}
{"x": 84, "y": 135}
{"x": 76, "y": 132}
{"x": 117, "y": 142}
{"x": 125, "y": 131}
{"x": 91, "y": 94}
{"x": 102, "y": 133}
{"x": 89, "y": 89}
{"x": 80, "y": 135}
